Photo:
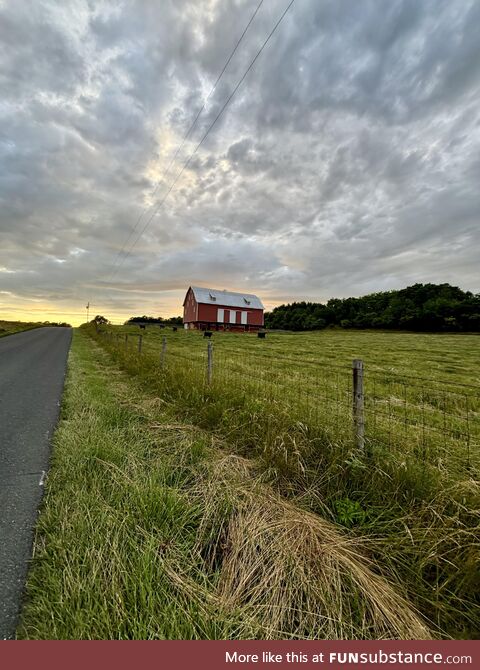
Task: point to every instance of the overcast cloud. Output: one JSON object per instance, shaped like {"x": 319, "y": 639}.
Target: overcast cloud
{"x": 347, "y": 162}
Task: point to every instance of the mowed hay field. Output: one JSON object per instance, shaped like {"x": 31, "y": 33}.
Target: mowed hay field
{"x": 238, "y": 504}
{"x": 421, "y": 392}
{"x": 452, "y": 357}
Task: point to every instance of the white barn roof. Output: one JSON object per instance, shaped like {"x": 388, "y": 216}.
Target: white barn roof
{"x": 211, "y": 296}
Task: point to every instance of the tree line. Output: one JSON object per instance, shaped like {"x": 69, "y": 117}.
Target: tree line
{"x": 172, "y": 321}
{"x": 101, "y": 320}
{"x": 421, "y": 307}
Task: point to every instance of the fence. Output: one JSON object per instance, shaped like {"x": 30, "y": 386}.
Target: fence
{"x": 428, "y": 419}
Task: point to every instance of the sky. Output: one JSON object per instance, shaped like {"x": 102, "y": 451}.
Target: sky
{"x": 347, "y": 161}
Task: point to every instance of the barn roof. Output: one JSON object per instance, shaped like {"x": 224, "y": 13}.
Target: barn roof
{"x": 212, "y": 296}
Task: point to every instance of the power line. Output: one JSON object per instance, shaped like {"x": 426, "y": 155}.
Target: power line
{"x": 186, "y": 164}
{"x": 186, "y": 136}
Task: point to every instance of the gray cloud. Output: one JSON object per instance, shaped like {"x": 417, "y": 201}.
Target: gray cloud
{"x": 347, "y": 162}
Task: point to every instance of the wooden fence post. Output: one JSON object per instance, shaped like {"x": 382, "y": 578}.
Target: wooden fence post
{"x": 358, "y": 404}
{"x": 163, "y": 352}
{"x": 140, "y": 344}
{"x": 126, "y": 340}
{"x": 209, "y": 362}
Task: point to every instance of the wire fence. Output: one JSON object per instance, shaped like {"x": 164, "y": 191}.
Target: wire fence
{"x": 411, "y": 417}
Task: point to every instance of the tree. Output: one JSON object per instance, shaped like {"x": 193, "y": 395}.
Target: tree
{"x": 100, "y": 320}
{"x": 144, "y": 319}
{"x": 420, "y": 307}
{"x": 174, "y": 320}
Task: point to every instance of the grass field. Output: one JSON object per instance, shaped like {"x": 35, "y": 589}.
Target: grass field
{"x": 422, "y": 392}
{"x": 451, "y": 357}
{"x": 155, "y": 528}
{"x": 11, "y": 327}
{"x": 240, "y": 508}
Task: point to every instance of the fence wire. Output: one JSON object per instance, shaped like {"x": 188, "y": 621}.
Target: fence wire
{"x": 430, "y": 420}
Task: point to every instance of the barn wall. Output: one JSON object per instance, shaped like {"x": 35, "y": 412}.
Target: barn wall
{"x": 208, "y": 313}
{"x": 189, "y": 308}
{"x": 255, "y": 317}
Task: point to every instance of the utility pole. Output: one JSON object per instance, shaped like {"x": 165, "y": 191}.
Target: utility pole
{"x": 87, "y": 306}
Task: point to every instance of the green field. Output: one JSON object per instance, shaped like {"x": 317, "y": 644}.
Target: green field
{"x": 421, "y": 392}
{"x": 11, "y": 327}
{"x": 241, "y": 506}
{"x": 286, "y": 401}
{"x": 454, "y": 358}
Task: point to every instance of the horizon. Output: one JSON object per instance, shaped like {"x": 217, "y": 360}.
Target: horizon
{"x": 120, "y": 320}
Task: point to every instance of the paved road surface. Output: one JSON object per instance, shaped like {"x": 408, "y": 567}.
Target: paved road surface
{"x": 32, "y": 371}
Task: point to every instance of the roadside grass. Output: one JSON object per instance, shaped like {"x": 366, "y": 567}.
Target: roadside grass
{"x": 153, "y": 527}
{"x": 11, "y": 327}
{"x": 418, "y": 520}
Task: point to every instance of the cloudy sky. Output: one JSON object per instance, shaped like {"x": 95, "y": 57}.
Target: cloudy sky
{"x": 347, "y": 162}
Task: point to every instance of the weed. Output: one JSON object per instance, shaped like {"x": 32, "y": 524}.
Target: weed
{"x": 350, "y": 512}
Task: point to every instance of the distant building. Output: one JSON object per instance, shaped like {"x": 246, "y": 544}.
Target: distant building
{"x": 211, "y": 309}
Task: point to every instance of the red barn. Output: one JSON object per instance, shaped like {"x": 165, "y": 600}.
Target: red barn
{"x": 210, "y": 309}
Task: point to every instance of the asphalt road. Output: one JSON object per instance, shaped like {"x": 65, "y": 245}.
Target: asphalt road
{"x": 32, "y": 372}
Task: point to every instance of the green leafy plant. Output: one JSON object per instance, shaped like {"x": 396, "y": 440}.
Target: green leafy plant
{"x": 350, "y": 512}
